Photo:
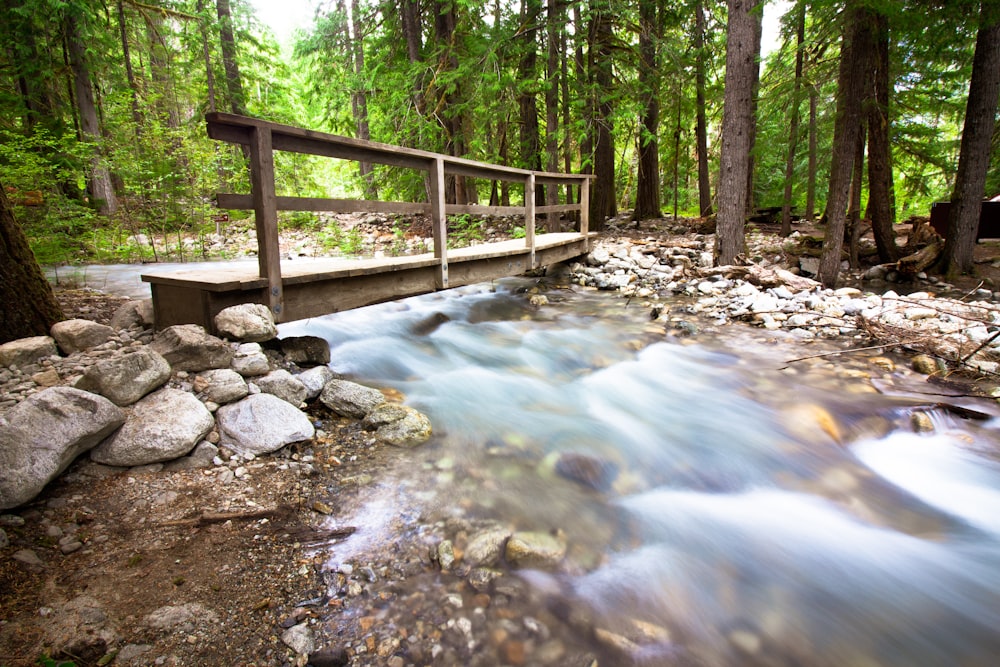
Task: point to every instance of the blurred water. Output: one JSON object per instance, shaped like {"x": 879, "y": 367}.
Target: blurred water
{"x": 763, "y": 513}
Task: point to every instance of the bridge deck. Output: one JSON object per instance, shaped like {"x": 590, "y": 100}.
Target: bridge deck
{"x": 319, "y": 286}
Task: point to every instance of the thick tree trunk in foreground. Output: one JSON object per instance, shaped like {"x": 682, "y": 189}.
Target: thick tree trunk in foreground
{"x": 974, "y": 159}
{"x": 27, "y": 306}
{"x": 881, "y": 208}
{"x": 737, "y": 130}
{"x": 857, "y": 42}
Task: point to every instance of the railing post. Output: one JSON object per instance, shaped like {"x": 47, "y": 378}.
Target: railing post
{"x": 439, "y": 220}
{"x": 585, "y": 207}
{"x": 529, "y": 217}
{"x": 265, "y": 206}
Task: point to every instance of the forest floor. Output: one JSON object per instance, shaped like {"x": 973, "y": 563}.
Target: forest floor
{"x": 180, "y": 568}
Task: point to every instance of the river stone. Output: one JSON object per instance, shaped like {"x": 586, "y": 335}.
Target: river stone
{"x": 130, "y": 314}
{"x": 188, "y": 347}
{"x": 534, "y": 550}
{"x": 284, "y": 385}
{"x": 26, "y": 351}
{"x": 250, "y": 360}
{"x": 79, "y": 335}
{"x": 591, "y": 471}
{"x": 306, "y": 350}
{"x": 220, "y": 386}
{"x": 181, "y": 618}
{"x": 300, "y": 639}
{"x": 161, "y": 427}
{"x": 484, "y": 548}
{"x": 127, "y": 378}
{"x": 314, "y": 380}
{"x": 247, "y": 322}
{"x": 398, "y": 425}
{"x": 41, "y": 435}
{"x": 262, "y": 423}
{"x": 350, "y": 399}
{"x": 923, "y": 363}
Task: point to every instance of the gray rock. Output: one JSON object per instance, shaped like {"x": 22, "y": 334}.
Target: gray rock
{"x": 28, "y": 557}
{"x": 40, "y": 437}
{"x": 485, "y": 548}
{"x": 133, "y": 314}
{"x": 79, "y": 335}
{"x": 809, "y": 265}
{"x": 247, "y": 322}
{"x": 161, "y": 427}
{"x": 535, "y": 550}
{"x": 26, "y": 351}
{"x": 250, "y": 360}
{"x": 221, "y": 386}
{"x": 127, "y": 378}
{"x": 187, "y": 347}
{"x": 203, "y": 456}
{"x": 350, "y": 399}
{"x": 181, "y": 618}
{"x": 4, "y": 540}
{"x": 300, "y": 639}
{"x": 306, "y": 350}
{"x": 398, "y": 425}
{"x": 314, "y": 380}
{"x": 262, "y": 423}
{"x": 284, "y": 385}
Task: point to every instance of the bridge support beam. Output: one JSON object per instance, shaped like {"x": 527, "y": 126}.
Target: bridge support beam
{"x": 439, "y": 220}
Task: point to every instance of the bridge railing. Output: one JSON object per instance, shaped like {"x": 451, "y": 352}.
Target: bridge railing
{"x": 263, "y": 138}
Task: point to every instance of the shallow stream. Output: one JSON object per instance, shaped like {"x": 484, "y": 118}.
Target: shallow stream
{"x": 749, "y": 509}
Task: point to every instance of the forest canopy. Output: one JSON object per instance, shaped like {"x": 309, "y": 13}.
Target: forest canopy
{"x": 102, "y": 133}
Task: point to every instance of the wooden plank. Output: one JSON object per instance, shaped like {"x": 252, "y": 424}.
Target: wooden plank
{"x": 347, "y": 151}
{"x": 557, "y": 208}
{"x": 478, "y": 209}
{"x": 317, "y": 204}
{"x": 529, "y": 217}
{"x": 439, "y": 220}
{"x": 266, "y": 217}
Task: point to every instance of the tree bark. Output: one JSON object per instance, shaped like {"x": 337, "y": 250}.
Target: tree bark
{"x": 857, "y": 42}
{"x": 974, "y": 157}
{"x": 701, "y": 127}
{"x": 813, "y": 157}
{"x": 854, "y": 208}
{"x": 603, "y": 202}
{"x": 880, "y": 188}
{"x": 527, "y": 75}
{"x": 234, "y": 82}
{"x": 359, "y": 98}
{"x": 647, "y": 201}
{"x": 756, "y": 18}
{"x": 206, "y": 55}
{"x": 737, "y": 127}
{"x": 793, "y": 131}
{"x": 99, "y": 184}
{"x": 27, "y": 305}
{"x": 553, "y": 21}
{"x": 129, "y": 73}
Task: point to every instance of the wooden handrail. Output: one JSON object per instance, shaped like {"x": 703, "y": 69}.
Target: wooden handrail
{"x": 264, "y": 137}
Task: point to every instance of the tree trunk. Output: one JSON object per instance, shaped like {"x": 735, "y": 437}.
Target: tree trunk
{"x": 129, "y": 74}
{"x": 234, "y": 82}
{"x": 27, "y": 306}
{"x": 99, "y": 185}
{"x": 756, "y": 17}
{"x": 857, "y": 43}
{"x": 359, "y": 98}
{"x": 880, "y": 191}
{"x": 159, "y": 63}
{"x": 206, "y": 55}
{"x": 647, "y": 200}
{"x": 553, "y": 21}
{"x": 854, "y": 208}
{"x": 974, "y": 158}
{"x": 530, "y": 134}
{"x": 701, "y": 127}
{"x": 737, "y": 127}
{"x": 793, "y": 131}
{"x": 603, "y": 202}
{"x": 813, "y": 157}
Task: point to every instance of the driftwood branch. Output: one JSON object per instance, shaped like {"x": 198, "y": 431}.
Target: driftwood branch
{"x": 208, "y": 518}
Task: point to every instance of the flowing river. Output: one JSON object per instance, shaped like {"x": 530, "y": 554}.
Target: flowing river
{"x": 755, "y": 511}
{"x": 744, "y": 509}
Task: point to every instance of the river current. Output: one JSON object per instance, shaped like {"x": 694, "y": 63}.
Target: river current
{"x": 762, "y": 510}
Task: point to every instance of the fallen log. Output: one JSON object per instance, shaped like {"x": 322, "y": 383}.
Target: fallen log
{"x": 920, "y": 260}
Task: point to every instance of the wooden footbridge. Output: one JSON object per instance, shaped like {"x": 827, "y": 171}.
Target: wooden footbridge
{"x": 309, "y": 287}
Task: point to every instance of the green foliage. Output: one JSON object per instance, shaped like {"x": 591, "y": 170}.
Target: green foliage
{"x": 464, "y": 230}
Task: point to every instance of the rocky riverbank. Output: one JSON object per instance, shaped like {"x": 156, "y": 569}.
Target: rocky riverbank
{"x": 177, "y": 541}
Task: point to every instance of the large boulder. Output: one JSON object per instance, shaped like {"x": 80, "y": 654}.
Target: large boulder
{"x": 398, "y": 425}
{"x": 262, "y": 423}
{"x": 41, "y": 435}
{"x": 284, "y": 385}
{"x": 188, "y": 347}
{"x": 161, "y": 427}
{"x": 24, "y": 351}
{"x": 247, "y": 322}
{"x": 306, "y": 350}
{"x": 350, "y": 399}
{"x": 221, "y": 386}
{"x": 127, "y": 378}
{"x": 138, "y": 313}
{"x": 79, "y": 335}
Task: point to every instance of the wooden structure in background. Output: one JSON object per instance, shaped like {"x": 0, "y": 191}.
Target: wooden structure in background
{"x": 310, "y": 287}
